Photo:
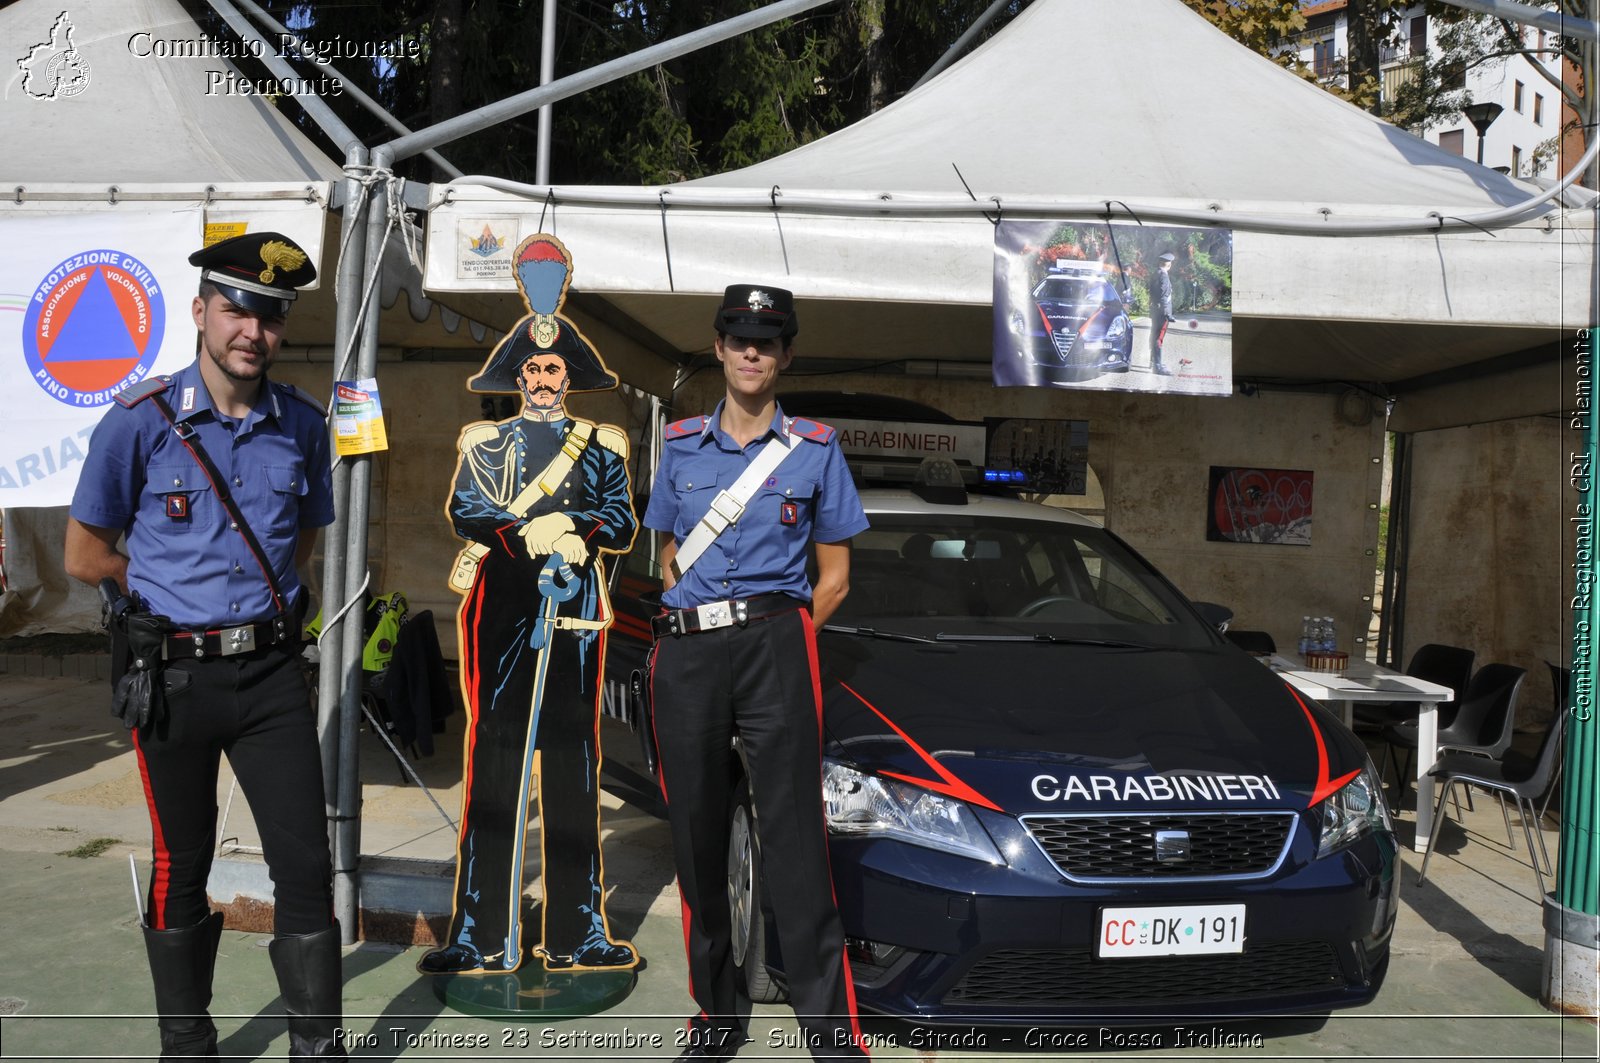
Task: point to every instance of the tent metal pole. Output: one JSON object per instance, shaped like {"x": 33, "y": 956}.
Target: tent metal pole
{"x": 330, "y": 674}
{"x": 279, "y": 67}
{"x": 265, "y": 18}
{"x": 962, "y": 42}
{"x": 1571, "y": 968}
{"x": 1544, "y": 18}
{"x": 512, "y": 106}
{"x": 347, "y": 835}
{"x": 547, "y": 73}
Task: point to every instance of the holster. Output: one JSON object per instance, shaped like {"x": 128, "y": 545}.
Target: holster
{"x": 467, "y": 563}
{"x": 136, "y": 659}
{"x": 642, "y": 713}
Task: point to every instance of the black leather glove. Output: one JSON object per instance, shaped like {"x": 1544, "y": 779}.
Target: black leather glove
{"x": 136, "y": 693}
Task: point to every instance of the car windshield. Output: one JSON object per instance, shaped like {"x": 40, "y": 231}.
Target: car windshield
{"x": 955, "y": 575}
{"x": 1091, "y": 290}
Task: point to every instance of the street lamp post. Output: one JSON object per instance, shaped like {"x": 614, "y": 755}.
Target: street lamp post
{"x": 1482, "y": 116}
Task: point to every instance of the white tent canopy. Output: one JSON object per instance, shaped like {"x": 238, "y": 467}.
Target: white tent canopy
{"x": 1080, "y": 107}
{"x": 154, "y": 121}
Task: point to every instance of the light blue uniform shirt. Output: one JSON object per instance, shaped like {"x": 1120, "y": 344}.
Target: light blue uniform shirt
{"x": 184, "y": 558}
{"x": 810, "y": 497}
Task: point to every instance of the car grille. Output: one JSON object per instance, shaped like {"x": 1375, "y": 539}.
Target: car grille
{"x": 1124, "y": 846}
{"x": 1024, "y": 978}
{"x": 1065, "y": 341}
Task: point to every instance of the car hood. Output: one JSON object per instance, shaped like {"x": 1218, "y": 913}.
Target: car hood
{"x": 1033, "y": 727}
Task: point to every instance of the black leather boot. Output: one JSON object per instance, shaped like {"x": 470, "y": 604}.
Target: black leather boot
{"x": 181, "y": 965}
{"x": 307, "y": 966}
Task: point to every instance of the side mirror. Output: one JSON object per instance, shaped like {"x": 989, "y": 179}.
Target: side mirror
{"x": 1218, "y": 616}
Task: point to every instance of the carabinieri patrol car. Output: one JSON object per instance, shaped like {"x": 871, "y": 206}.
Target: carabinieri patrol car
{"x": 1056, "y": 794}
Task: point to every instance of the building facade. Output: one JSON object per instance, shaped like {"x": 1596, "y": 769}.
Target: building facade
{"x": 1521, "y": 141}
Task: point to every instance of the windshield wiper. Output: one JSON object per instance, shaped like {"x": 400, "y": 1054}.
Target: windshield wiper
{"x": 876, "y": 633}
{"x": 1062, "y": 640}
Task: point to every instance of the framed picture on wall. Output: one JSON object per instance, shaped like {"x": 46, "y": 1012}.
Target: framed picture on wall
{"x": 1248, "y": 505}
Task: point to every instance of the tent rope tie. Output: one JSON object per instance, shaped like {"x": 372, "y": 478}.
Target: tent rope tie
{"x": 995, "y": 221}
{"x": 367, "y": 177}
{"x": 1469, "y": 222}
{"x": 666, "y": 246}
{"x": 1131, "y": 212}
{"x": 777, "y": 219}
{"x": 401, "y": 219}
{"x": 549, "y": 201}
{"x": 333, "y": 621}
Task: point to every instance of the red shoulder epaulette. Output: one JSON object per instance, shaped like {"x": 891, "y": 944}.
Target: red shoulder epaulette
{"x": 815, "y": 431}
{"x": 689, "y": 426}
{"x": 134, "y": 394}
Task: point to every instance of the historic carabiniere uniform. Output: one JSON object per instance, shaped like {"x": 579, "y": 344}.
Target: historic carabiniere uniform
{"x": 504, "y": 628}
{"x": 539, "y": 498}
{"x": 755, "y": 679}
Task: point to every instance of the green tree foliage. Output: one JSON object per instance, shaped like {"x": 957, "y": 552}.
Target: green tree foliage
{"x": 1465, "y": 42}
{"x": 1260, "y": 25}
{"x": 1202, "y": 267}
{"x": 1269, "y": 28}
{"x": 725, "y": 106}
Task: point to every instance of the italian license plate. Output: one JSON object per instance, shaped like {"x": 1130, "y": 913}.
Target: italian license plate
{"x": 1174, "y": 930}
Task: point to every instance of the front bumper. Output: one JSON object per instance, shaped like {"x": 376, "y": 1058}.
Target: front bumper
{"x": 939, "y": 938}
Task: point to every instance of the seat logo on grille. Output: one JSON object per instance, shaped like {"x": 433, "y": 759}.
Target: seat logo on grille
{"x": 1172, "y": 846}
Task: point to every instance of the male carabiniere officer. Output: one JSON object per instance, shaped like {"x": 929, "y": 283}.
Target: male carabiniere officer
{"x": 1160, "y": 312}
{"x": 735, "y": 654}
{"x": 212, "y": 552}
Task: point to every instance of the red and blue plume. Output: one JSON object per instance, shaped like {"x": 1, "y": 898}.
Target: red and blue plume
{"x": 543, "y": 267}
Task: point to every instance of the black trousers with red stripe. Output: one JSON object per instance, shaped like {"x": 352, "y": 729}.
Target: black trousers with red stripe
{"x": 498, "y": 620}
{"x": 256, "y": 708}
{"x": 759, "y": 683}
{"x": 1159, "y": 323}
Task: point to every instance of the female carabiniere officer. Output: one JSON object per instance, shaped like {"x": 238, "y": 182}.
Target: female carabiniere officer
{"x": 735, "y": 655}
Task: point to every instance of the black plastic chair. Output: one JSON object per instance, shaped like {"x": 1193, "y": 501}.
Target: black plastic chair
{"x": 1560, "y": 687}
{"x": 1482, "y": 724}
{"x": 1257, "y": 642}
{"x": 1449, "y": 666}
{"x": 1496, "y": 775}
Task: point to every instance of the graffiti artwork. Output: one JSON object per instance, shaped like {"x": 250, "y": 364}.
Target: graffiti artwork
{"x": 1259, "y": 506}
{"x": 539, "y": 498}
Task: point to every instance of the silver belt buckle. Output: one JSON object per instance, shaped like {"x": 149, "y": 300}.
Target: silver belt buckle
{"x": 714, "y": 615}
{"x": 237, "y": 639}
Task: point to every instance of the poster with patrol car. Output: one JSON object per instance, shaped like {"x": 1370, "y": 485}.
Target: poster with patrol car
{"x": 1103, "y": 307}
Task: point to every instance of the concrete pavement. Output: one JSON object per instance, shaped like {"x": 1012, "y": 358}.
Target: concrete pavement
{"x": 1463, "y": 982}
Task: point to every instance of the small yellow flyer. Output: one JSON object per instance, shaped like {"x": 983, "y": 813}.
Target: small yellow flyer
{"x": 358, "y": 417}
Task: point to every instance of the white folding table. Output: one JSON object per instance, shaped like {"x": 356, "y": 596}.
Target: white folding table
{"x": 1363, "y": 681}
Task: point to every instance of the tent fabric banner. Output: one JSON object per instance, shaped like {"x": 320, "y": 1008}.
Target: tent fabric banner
{"x": 1113, "y": 307}
{"x": 95, "y": 297}
{"x": 90, "y": 302}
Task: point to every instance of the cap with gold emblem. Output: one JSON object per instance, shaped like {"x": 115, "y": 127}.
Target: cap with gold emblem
{"x": 756, "y": 312}
{"x": 258, "y": 271}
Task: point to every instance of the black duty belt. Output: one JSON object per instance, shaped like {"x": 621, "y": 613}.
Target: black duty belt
{"x": 726, "y": 613}
{"x": 225, "y": 642}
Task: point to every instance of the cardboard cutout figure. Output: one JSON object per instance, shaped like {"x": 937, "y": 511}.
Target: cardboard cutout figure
{"x": 539, "y": 498}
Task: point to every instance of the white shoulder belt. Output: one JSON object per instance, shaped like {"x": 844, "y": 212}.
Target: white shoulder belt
{"x": 729, "y": 504}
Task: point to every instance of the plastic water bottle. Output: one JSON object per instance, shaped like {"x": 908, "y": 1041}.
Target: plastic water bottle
{"x": 1305, "y": 635}
{"x": 1330, "y": 638}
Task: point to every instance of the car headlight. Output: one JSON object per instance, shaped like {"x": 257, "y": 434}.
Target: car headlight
{"x": 855, "y": 802}
{"x": 1118, "y": 327}
{"x": 1353, "y": 811}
